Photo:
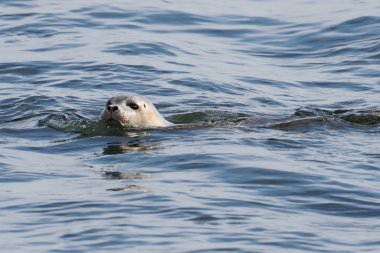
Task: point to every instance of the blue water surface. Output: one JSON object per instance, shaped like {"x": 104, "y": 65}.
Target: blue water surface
{"x": 286, "y": 157}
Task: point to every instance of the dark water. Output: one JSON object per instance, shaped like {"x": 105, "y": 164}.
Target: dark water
{"x": 285, "y": 156}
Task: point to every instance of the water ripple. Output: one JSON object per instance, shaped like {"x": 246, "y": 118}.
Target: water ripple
{"x": 277, "y": 149}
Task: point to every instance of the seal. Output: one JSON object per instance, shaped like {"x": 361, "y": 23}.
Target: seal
{"x": 133, "y": 112}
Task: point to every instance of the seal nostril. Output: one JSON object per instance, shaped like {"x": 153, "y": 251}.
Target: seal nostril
{"x": 115, "y": 108}
{"x": 108, "y": 108}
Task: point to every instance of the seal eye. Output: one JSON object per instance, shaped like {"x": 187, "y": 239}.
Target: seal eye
{"x": 133, "y": 106}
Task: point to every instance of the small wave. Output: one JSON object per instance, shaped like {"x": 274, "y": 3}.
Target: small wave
{"x": 142, "y": 49}
{"x": 207, "y": 117}
{"x": 76, "y": 124}
{"x": 356, "y": 117}
{"x": 301, "y": 118}
{"x": 23, "y": 107}
{"x": 172, "y": 18}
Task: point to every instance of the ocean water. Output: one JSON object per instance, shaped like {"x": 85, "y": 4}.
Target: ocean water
{"x": 282, "y": 152}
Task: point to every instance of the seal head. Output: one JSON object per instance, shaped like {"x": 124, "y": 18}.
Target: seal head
{"x": 134, "y": 112}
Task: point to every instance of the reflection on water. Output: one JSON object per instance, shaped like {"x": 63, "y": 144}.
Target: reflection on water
{"x": 122, "y": 175}
{"x": 130, "y": 187}
{"x": 131, "y": 145}
{"x": 131, "y": 176}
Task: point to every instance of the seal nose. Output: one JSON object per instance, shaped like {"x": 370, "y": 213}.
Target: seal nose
{"x": 112, "y": 108}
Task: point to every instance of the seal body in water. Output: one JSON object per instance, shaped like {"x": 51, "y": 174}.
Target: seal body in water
{"x": 134, "y": 112}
